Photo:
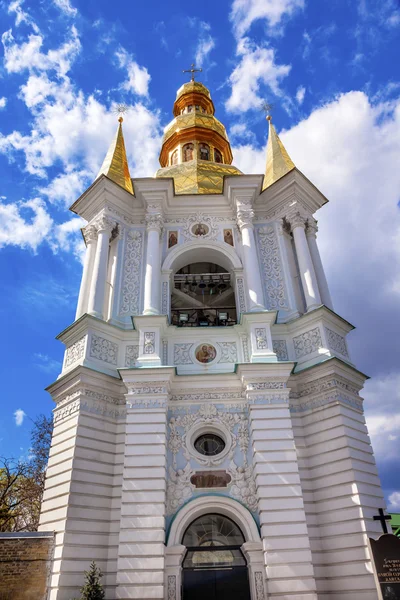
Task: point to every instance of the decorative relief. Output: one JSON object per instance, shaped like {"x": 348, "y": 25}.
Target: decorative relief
{"x": 280, "y": 349}
{"x": 138, "y": 388}
{"x": 164, "y": 298}
{"x": 103, "y": 349}
{"x": 241, "y": 295}
{"x": 244, "y": 215}
{"x": 228, "y": 352}
{"x": 75, "y": 352}
{"x": 208, "y": 414}
{"x": 272, "y": 268}
{"x": 130, "y": 295}
{"x": 243, "y": 486}
{"x": 171, "y": 587}
{"x": 265, "y": 385}
{"x": 179, "y": 488}
{"x": 149, "y": 346}
{"x": 307, "y": 342}
{"x": 245, "y": 347}
{"x": 182, "y": 354}
{"x": 324, "y": 384}
{"x": 147, "y": 402}
{"x": 211, "y": 222}
{"x": 90, "y": 234}
{"x": 261, "y": 338}
{"x": 328, "y": 399}
{"x": 269, "y": 399}
{"x": 222, "y": 394}
{"x": 102, "y": 397}
{"x": 165, "y": 352}
{"x": 336, "y": 342}
{"x": 131, "y": 355}
{"x": 95, "y": 403}
{"x": 259, "y": 585}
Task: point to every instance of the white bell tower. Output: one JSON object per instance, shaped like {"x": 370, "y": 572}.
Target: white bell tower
{"x": 207, "y": 416}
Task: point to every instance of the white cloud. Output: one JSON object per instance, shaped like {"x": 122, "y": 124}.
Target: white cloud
{"x": 28, "y": 55}
{"x": 65, "y": 7}
{"x": 301, "y": 92}
{"x": 3, "y": 102}
{"x": 138, "y": 77}
{"x": 24, "y": 224}
{"x": 256, "y": 66}
{"x": 68, "y": 238}
{"x": 394, "y": 502}
{"x": 205, "y": 42}
{"x": 66, "y": 187}
{"x": 245, "y": 12}
{"x": 46, "y": 363}
{"x": 21, "y": 16}
{"x": 19, "y": 417}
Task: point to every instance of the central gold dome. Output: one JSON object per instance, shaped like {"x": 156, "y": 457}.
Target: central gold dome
{"x": 196, "y": 151}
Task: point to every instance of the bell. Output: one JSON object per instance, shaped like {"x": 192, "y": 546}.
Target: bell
{"x": 202, "y": 283}
{"x": 222, "y": 285}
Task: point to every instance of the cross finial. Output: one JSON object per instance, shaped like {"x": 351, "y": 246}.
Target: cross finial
{"x": 120, "y": 110}
{"x": 382, "y": 518}
{"x": 193, "y": 70}
{"x": 267, "y": 108}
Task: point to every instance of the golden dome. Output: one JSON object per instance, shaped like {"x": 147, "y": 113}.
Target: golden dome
{"x": 195, "y": 151}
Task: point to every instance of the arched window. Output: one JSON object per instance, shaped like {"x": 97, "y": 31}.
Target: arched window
{"x": 190, "y": 108}
{"x": 204, "y": 151}
{"x": 205, "y": 540}
{"x": 217, "y": 156}
{"x": 174, "y": 157}
{"x": 188, "y": 152}
{"x": 197, "y": 108}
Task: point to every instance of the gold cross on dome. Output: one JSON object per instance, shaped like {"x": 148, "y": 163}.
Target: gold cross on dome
{"x": 267, "y": 108}
{"x": 193, "y": 70}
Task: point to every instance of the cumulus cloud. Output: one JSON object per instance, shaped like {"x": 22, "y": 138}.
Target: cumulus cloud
{"x": 138, "y": 77}
{"x": 245, "y": 12}
{"x": 394, "y": 502}
{"x": 29, "y": 56}
{"x": 24, "y": 224}
{"x": 3, "y": 102}
{"x": 19, "y": 416}
{"x": 256, "y": 66}
{"x": 21, "y": 15}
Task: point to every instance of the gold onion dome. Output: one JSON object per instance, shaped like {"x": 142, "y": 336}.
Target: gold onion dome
{"x": 115, "y": 165}
{"x": 279, "y": 162}
{"x": 195, "y": 151}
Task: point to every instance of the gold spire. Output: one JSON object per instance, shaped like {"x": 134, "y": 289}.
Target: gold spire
{"x": 115, "y": 165}
{"x": 278, "y": 160}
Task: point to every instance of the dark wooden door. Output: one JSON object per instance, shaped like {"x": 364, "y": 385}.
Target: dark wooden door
{"x": 216, "y": 584}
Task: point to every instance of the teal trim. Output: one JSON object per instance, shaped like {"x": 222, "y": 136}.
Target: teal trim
{"x": 322, "y": 362}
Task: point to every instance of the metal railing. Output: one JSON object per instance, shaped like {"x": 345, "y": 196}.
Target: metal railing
{"x": 204, "y": 317}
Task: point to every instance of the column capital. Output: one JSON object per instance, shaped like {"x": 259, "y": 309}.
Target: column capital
{"x": 90, "y": 234}
{"x": 154, "y": 217}
{"x": 312, "y": 226}
{"x": 296, "y": 219}
{"x": 244, "y": 215}
{"x": 104, "y": 223}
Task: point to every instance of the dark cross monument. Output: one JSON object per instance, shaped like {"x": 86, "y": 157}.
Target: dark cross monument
{"x": 382, "y": 518}
{"x": 193, "y": 70}
{"x": 386, "y": 553}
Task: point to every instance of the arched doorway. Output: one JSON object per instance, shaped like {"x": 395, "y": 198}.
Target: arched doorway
{"x": 214, "y": 566}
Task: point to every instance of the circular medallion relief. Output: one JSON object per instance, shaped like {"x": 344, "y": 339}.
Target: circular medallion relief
{"x": 200, "y": 229}
{"x": 205, "y": 353}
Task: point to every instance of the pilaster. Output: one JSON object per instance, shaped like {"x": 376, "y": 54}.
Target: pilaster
{"x": 141, "y": 550}
{"x": 287, "y": 555}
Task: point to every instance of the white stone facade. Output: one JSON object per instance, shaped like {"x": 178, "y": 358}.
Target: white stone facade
{"x": 281, "y": 391}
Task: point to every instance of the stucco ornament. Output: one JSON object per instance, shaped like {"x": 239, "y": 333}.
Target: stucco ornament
{"x": 211, "y": 222}
{"x": 130, "y": 298}
{"x": 307, "y": 343}
{"x": 181, "y": 429}
{"x": 272, "y": 268}
{"x": 243, "y": 486}
{"x": 179, "y": 488}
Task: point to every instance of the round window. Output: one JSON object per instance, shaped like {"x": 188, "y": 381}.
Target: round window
{"x": 209, "y": 444}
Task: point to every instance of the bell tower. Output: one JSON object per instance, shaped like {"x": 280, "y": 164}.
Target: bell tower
{"x": 208, "y": 423}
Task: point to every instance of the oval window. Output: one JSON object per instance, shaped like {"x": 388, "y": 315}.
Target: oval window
{"x": 209, "y": 444}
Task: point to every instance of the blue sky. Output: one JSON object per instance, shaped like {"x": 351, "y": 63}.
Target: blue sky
{"x": 331, "y": 69}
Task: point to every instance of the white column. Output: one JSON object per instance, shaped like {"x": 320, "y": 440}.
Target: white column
{"x": 153, "y": 266}
{"x": 307, "y": 273}
{"x": 99, "y": 277}
{"x": 250, "y": 259}
{"x": 90, "y": 236}
{"x": 311, "y": 233}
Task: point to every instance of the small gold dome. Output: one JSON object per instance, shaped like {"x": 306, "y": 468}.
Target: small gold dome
{"x": 195, "y": 151}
